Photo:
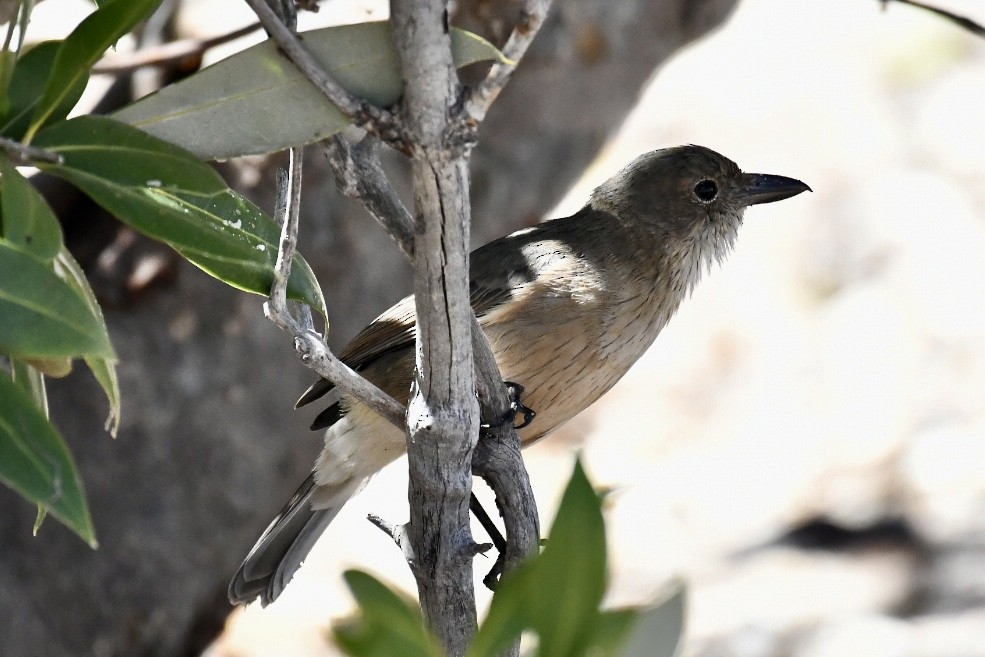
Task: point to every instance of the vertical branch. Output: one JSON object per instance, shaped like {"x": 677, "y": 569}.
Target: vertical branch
{"x": 443, "y": 413}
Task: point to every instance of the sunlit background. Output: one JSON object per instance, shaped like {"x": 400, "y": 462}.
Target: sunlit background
{"x": 832, "y": 370}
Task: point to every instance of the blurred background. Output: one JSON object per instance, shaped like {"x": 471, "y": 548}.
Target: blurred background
{"x": 805, "y": 443}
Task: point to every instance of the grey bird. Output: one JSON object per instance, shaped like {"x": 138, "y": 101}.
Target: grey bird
{"x": 568, "y": 306}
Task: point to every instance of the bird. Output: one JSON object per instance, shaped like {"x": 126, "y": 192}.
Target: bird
{"x": 567, "y": 306}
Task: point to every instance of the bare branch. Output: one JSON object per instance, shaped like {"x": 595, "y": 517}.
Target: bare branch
{"x": 497, "y": 457}
{"x": 532, "y": 16}
{"x": 362, "y": 112}
{"x": 317, "y": 357}
{"x": 443, "y": 413}
{"x": 398, "y": 533}
{"x": 309, "y": 345}
{"x": 24, "y": 155}
{"x": 289, "y": 206}
{"x": 168, "y": 53}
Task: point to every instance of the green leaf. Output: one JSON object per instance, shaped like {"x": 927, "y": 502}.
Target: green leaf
{"x": 42, "y": 514}
{"x": 558, "y": 593}
{"x": 104, "y": 369}
{"x": 83, "y": 47}
{"x": 27, "y": 86}
{"x": 508, "y": 614}
{"x": 25, "y": 218}
{"x": 572, "y": 568}
{"x": 41, "y": 316}
{"x": 257, "y": 102}
{"x": 388, "y": 624}
{"x": 610, "y": 632}
{"x": 35, "y": 462}
{"x": 659, "y": 630}
{"x": 7, "y": 61}
{"x": 168, "y": 194}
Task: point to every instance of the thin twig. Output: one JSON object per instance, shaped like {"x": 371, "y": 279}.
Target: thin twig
{"x": 966, "y": 23}
{"x": 24, "y": 155}
{"x": 362, "y": 112}
{"x": 309, "y": 345}
{"x": 398, "y": 533}
{"x": 531, "y": 18}
{"x": 316, "y": 356}
{"x": 168, "y": 53}
{"x": 289, "y": 204}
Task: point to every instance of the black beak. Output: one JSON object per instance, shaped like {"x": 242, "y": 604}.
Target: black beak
{"x": 766, "y": 188}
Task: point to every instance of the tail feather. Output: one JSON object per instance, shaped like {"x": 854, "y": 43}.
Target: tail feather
{"x": 278, "y": 554}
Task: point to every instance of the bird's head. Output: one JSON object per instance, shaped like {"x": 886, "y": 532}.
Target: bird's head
{"x": 691, "y": 199}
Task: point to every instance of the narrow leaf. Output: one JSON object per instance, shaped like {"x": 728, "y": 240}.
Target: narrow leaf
{"x": 572, "y": 567}
{"x": 508, "y": 615}
{"x": 42, "y": 514}
{"x": 35, "y": 462}
{"x": 659, "y": 630}
{"x": 26, "y": 220}
{"x": 104, "y": 369}
{"x": 388, "y": 623}
{"x": 83, "y": 47}
{"x": 167, "y": 193}
{"x": 27, "y": 86}
{"x": 257, "y": 102}
{"x": 41, "y": 316}
{"x": 610, "y": 632}
{"x": 7, "y": 61}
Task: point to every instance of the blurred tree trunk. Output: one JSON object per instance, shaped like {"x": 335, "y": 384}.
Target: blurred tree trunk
{"x": 209, "y": 447}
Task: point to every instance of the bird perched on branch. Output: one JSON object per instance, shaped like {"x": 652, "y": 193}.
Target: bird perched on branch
{"x": 567, "y": 306}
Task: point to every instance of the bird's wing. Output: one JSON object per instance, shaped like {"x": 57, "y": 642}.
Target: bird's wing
{"x": 497, "y": 270}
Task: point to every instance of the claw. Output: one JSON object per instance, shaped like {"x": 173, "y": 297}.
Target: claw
{"x": 514, "y": 391}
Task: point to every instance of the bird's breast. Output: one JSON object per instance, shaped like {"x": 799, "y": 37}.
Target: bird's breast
{"x": 567, "y": 338}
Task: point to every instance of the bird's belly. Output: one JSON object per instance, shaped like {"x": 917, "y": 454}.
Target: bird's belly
{"x": 564, "y": 369}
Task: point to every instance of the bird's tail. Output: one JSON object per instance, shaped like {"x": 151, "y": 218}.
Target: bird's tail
{"x": 278, "y": 554}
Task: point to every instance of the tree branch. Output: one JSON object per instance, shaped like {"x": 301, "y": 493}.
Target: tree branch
{"x": 166, "y": 53}
{"x": 443, "y": 414}
{"x": 440, "y": 453}
{"x": 531, "y": 17}
{"x": 309, "y": 345}
{"x": 25, "y": 155}
{"x": 496, "y": 459}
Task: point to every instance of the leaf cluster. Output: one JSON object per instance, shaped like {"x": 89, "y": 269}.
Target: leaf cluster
{"x": 555, "y": 598}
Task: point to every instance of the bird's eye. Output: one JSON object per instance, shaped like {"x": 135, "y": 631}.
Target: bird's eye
{"x": 706, "y": 190}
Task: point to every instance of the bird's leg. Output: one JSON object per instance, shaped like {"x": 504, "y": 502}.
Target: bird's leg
{"x": 492, "y": 577}
{"x": 480, "y": 514}
{"x": 514, "y": 391}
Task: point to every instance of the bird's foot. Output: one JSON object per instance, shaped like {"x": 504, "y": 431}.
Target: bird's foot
{"x": 514, "y": 391}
